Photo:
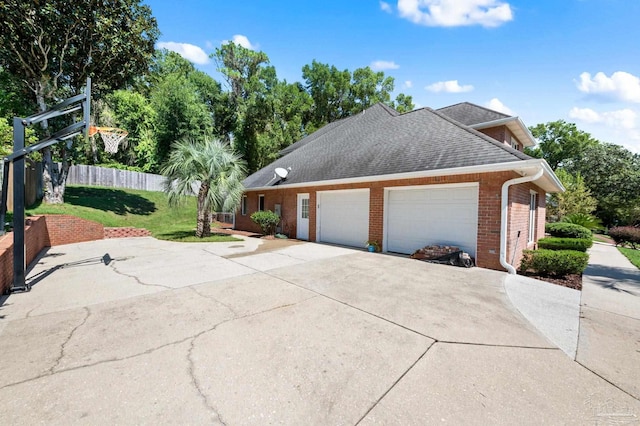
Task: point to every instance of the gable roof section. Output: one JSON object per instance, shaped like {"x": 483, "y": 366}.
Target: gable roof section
{"x": 471, "y": 114}
{"x": 377, "y": 142}
{"x": 479, "y": 117}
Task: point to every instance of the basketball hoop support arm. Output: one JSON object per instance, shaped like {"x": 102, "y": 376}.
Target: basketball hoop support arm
{"x": 73, "y": 104}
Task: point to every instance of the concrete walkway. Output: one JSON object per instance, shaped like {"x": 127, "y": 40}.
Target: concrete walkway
{"x": 609, "y": 342}
{"x": 233, "y": 333}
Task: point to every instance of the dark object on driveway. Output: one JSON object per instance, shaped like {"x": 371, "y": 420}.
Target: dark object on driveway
{"x": 447, "y": 255}
{"x": 458, "y": 258}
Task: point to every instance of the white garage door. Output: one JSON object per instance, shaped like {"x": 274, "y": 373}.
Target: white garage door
{"x": 343, "y": 217}
{"x": 424, "y": 216}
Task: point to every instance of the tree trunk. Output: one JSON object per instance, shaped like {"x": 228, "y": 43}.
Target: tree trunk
{"x": 53, "y": 180}
{"x": 203, "y": 226}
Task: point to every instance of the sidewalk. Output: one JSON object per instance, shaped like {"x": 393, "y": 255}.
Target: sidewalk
{"x": 609, "y": 340}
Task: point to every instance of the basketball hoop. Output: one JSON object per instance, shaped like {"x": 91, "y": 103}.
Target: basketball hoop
{"x": 111, "y": 137}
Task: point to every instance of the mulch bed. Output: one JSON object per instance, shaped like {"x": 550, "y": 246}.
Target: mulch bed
{"x": 573, "y": 281}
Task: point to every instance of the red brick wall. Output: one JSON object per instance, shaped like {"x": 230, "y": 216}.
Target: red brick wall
{"x": 126, "y": 232}
{"x": 64, "y": 229}
{"x": 519, "y": 198}
{"x": 498, "y": 133}
{"x": 45, "y": 231}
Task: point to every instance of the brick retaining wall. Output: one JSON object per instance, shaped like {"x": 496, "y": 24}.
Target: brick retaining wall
{"x": 54, "y": 230}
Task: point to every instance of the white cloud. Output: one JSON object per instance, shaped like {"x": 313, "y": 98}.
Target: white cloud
{"x": 243, "y": 41}
{"x": 624, "y": 118}
{"x": 454, "y": 13}
{"x": 496, "y": 105}
{"x": 621, "y": 86}
{"x": 383, "y": 65}
{"x": 620, "y": 126}
{"x": 451, "y": 86}
{"x": 408, "y": 84}
{"x": 385, "y": 7}
{"x": 188, "y": 51}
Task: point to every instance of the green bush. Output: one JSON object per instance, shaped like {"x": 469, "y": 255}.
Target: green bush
{"x": 557, "y": 243}
{"x": 625, "y": 235}
{"x": 554, "y": 262}
{"x": 567, "y": 230}
{"x": 588, "y": 221}
{"x": 266, "y": 220}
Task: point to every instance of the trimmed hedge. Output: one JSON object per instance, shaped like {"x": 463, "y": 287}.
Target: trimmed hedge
{"x": 557, "y": 243}
{"x": 554, "y": 262}
{"x": 567, "y": 230}
{"x": 266, "y": 220}
{"x": 625, "y": 235}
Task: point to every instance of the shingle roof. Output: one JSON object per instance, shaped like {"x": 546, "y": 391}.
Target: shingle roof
{"x": 380, "y": 141}
{"x": 471, "y": 114}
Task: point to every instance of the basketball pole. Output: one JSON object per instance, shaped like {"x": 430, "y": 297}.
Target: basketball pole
{"x": 68, "y": 106}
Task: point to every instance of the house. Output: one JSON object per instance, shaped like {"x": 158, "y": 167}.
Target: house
{"x": 454, "y": 176}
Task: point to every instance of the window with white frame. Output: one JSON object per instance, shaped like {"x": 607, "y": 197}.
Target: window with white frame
{"x": 243, "y": 209}
{"x": 304, "y": 208}
{"x": 533, "y": 205}
{"x": 260, "y": 203}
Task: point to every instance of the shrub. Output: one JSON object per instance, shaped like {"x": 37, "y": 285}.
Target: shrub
{"x": 625, "y": 235}
{"x": 588, "y": 221}
{"x": 557, "y": 243}
{"x": 266, "y": 220}
{"x": 567, "y": 230}
{"x": 554, "y": 262}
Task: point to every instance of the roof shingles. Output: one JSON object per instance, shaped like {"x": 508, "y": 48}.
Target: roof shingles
{"x": 378, "y": 142}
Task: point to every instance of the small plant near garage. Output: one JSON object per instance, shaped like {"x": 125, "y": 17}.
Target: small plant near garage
{"x": 372, "y": 246}
{"x": 266, "y": 220}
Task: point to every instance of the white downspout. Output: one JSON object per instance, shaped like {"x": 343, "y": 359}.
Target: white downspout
{"x": 504, "y": 215}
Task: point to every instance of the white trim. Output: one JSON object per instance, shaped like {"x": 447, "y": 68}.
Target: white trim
{"x": 533, "y": 213}
{"x": 504, "y": 214}
{"x": 342, "y": 190}
{"x": 522, "y": 128}
{"x": 434, "y": 186}
{"x": 523, "y": 167}
{"x": 299, "y": 197}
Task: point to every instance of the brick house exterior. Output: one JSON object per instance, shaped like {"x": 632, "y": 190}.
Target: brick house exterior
{"x": 486, "y": 172}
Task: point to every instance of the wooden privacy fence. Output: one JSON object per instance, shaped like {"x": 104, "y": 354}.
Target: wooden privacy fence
{"x": 32, "y": 184}
{"x": 114, "y": 178}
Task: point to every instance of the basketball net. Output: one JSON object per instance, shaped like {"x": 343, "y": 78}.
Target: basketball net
{"x": 111, "y": 137}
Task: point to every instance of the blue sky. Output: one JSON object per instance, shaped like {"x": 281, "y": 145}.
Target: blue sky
{"x": 542, "y": 60}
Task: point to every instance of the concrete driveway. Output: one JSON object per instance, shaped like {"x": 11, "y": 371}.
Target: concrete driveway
{"x": 236, "y": 333}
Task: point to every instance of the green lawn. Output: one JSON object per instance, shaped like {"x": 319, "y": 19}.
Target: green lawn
{"x": 632, "y": 255}
{"x": 127, "y": 207}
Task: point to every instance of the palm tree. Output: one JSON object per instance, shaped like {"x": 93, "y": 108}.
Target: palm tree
{"x": 213, "y": 170}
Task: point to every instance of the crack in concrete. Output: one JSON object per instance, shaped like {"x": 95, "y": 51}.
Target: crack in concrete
{"x": 50, "y": 372}
{"x": 235, "y": 314}
{"x": 393, "y": 385}
{"x": 28, "y": 315}
{"x": 196, "y": 382}
{"x": 68, "y": 339}
{"x": 113, "y": 267}
{"x": 607, "y": 380}
{"x": 497, "y": 345}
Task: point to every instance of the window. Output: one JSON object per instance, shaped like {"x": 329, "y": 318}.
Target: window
{"x": 515, "y": 144}
{"x": 260, "y": 203}
{"x": 304, "y": 210}
{"x": 533, "y": 204}
{"x": 244, "y": 205}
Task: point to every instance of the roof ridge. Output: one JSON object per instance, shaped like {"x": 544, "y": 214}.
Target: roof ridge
{"x": 521, "y": 155}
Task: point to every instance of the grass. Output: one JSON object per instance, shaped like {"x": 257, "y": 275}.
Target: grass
{"x": 131, "y": 208}
{"x": 631, "y": 254}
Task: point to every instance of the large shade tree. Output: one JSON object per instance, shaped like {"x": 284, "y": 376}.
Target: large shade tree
{"x": 209, "y": 169}
{"x": 54, "y": 45}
